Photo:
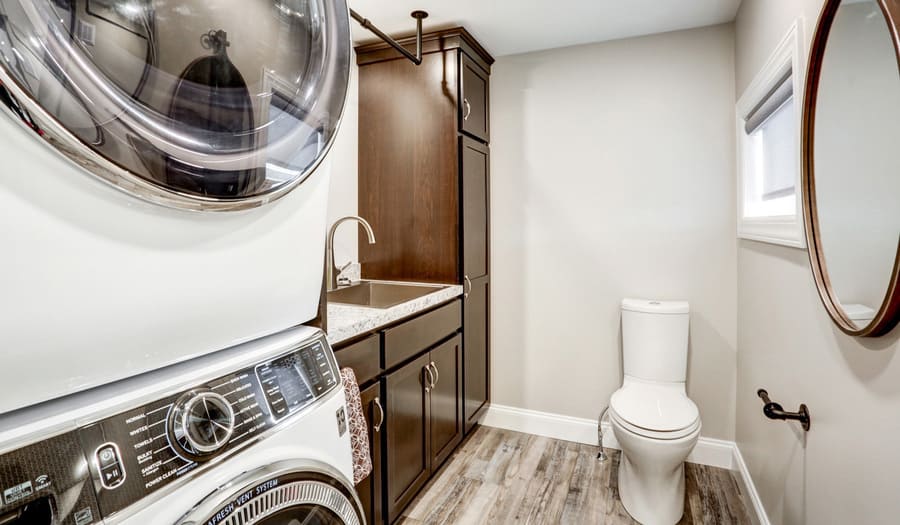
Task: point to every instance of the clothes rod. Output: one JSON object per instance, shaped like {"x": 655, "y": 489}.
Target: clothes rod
{"x": 418, "y": 15}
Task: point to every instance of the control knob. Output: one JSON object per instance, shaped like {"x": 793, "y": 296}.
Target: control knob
{"x": 200, "y": 423}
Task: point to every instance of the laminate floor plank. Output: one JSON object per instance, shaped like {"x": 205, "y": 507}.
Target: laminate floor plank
{"x": 503, "y": 477}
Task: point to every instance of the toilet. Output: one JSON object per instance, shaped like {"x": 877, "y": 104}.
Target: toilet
{"x": 654, "y": 421}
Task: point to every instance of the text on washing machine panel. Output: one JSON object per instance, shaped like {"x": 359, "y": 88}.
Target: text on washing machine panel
{"x": 150, "y": 451}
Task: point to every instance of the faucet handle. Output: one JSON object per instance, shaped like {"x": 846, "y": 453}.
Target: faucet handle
{"x": 341, "y": 280}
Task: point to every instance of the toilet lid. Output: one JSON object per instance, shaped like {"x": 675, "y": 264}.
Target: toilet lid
{"x": 656, "y": 407}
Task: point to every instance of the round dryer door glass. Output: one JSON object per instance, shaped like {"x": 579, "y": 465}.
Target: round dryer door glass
{"x": 203, "y": 104}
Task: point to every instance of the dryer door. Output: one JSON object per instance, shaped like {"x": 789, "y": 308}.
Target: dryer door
{"x": 188, "y": 103}
{"x": 284, "y": 493}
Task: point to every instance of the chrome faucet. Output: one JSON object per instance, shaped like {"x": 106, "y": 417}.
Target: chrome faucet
{"x": 333, "y": 270}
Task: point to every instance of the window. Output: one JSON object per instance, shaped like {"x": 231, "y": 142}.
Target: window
{"x": 768, "y": 128}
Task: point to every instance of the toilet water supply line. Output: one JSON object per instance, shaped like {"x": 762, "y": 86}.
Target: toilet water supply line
{"x": 601, "y": 456}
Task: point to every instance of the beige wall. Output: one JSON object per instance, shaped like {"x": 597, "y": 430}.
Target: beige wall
{"x": 847, "y": 468}
{"x": 612, "y": 173}
{"x": 342, "y": 189}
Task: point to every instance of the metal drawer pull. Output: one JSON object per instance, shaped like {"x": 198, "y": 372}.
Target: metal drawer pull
{"x": 437, "y": 375}
{"x": 775, "y": 411}
{"x": 468, "y": 284}
{"x": 430, "y": 379}
{"x": 468, "y": 109}
{"x": 377, "y": 426}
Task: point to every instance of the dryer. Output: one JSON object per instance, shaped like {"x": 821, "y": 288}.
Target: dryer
{"x": 253, "y": 435}
{"x": 164, "y": 180}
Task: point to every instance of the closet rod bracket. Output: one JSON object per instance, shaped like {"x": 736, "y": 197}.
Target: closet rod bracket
{"x": 418, "y": 15}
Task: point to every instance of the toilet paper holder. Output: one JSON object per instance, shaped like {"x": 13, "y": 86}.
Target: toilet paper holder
{"x": 774, "y": 410}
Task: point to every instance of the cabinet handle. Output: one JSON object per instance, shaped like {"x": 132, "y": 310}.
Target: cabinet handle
{"x": 468, "y": 109}
{"x": 467, "y": 284}
{"x": 437, "y": 375}
{"x": 430, "y": 380}
{"x": 377, "y": 426}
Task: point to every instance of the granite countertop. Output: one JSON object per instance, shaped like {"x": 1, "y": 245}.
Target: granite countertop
{"x": 346, "y": 321}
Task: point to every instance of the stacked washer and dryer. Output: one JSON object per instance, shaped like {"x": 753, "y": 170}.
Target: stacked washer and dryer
{"x": 163, "y": 201}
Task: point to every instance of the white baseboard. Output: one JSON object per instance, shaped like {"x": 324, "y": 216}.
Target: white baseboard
{"x": 748, "y": 490}
{"x": 709, "y": 451}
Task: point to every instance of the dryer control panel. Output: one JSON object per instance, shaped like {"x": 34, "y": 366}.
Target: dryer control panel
{"x": 135, "y": 453}
{"x": 140, "y": 451}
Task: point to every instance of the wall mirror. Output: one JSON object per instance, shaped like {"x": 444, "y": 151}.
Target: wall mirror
{"x": 851, "y": 166}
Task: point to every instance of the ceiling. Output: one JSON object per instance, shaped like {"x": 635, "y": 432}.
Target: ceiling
{"x": 508, "y": 27}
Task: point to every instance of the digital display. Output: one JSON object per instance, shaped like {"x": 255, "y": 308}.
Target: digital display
{"x": 293, "y": 381}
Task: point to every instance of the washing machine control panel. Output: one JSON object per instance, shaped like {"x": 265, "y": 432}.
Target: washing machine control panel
{"x": 142, "y": 450}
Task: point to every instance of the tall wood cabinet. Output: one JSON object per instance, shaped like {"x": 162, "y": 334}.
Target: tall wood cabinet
{"x": 424, "y": 180}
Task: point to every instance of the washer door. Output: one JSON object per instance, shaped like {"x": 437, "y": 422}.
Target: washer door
{"x": 285, "y": 493}
{"x": 195, "y": 104}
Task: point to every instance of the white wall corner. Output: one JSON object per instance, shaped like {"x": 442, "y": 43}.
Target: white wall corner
{"x": 748, "y": 489}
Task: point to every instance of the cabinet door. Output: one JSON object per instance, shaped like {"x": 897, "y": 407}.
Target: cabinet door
{"x": 474, "y": 100}
{"x": 446, "y": 400}
{"x": 407, "y": 452}
{"x": 475, "y": 201}
{"x": 369, "y": 489}
{"x": 476, "y": 361}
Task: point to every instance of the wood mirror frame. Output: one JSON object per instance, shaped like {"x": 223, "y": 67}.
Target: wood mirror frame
{"x": 888, "y": 314}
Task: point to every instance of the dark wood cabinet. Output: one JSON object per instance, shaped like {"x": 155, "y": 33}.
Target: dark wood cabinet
{"x": 475, "y": 161}
{"x": 412, "y": 161}
{"x": 476, "y": 357}
{"x": 414, "y": 405}
{"x": 474, "y": 109}
{"x": 363, "y": 356}
{"x": 423, "y": 421}
{"x": 407, "y": 440}
{"x": 424, "y": 179}
{"x": 369, "y": 489}
{"x": 446, "y": 418}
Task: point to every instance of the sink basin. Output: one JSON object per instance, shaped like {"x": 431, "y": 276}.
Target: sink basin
{"x": 379, "y": 295}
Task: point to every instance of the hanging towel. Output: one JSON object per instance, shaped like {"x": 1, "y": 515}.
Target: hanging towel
{"x": 359, "y": 431}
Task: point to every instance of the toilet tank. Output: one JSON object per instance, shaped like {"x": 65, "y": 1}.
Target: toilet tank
{"x": 655, "y": 339}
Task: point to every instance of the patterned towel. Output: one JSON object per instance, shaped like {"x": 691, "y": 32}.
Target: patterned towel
{"x": 359, "y": 431}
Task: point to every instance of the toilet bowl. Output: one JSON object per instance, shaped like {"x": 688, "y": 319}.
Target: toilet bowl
{"x": 654, "y": 421}
{"x": 651, "y": 470}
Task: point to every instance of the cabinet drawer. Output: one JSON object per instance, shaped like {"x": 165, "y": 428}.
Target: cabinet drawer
{"x": 411, "y": 337}
{"x": 363, "y": 357}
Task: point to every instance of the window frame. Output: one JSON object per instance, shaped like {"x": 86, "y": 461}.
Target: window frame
{"x": 785, "y": 230}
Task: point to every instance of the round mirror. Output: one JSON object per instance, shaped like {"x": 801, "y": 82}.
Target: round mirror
{"x": 851, "y": 167}
{"x": 203, "y": 104}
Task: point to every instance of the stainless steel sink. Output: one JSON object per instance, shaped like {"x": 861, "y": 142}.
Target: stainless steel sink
{"x": 375, "y": 294}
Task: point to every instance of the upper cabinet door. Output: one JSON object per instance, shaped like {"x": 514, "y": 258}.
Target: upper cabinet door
{"x": 474, "y": 99}
{"x": 475, "y": 186}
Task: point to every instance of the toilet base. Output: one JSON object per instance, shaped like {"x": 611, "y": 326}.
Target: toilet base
{"x": 654, "y": 499}
{"x": 651, "y": 474}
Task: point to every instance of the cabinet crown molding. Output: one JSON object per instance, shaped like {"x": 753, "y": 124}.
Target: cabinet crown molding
{"x": 432, "y": 42}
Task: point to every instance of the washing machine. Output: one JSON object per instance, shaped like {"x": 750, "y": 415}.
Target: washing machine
{"x": 256, "y": 434}
{"x": 164, "y": 181}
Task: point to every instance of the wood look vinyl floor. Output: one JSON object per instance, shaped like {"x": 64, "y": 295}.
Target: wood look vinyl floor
{"x": 499, "y": 477}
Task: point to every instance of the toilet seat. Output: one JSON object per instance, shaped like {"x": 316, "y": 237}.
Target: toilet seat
{"x": 654, "y": 434}
{"x": 654, "y": 410}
